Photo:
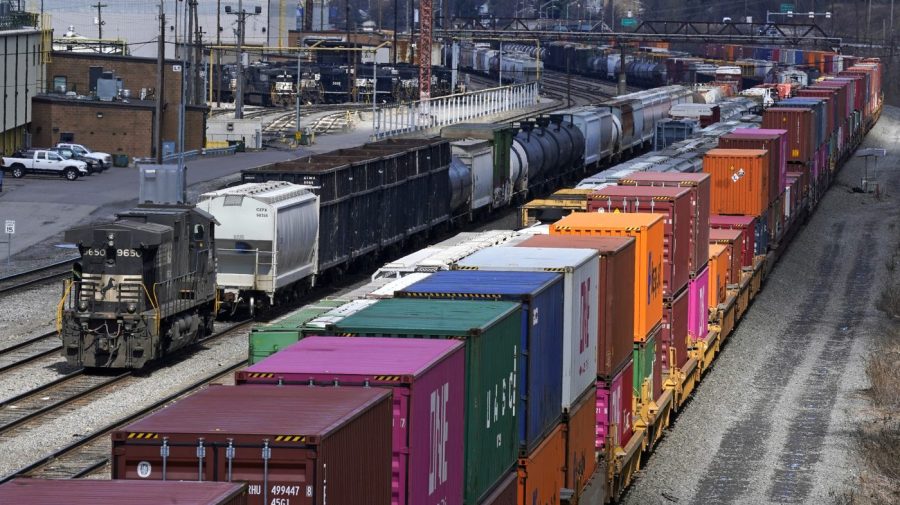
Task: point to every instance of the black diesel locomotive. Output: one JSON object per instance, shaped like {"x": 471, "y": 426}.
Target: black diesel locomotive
{"x": 146, "y": 287}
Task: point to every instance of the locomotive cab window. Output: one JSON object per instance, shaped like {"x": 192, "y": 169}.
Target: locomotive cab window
{"x": 199, "y": 232}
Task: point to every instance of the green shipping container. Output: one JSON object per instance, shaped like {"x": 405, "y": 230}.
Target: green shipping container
{"x": 267, "y": 339}
{"x": 644, "y": 356}
{"x": 492, "y": 332}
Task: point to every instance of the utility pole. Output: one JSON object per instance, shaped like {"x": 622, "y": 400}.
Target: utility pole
{"x": 189, "y": 47}
{"x": 239, "y": 78}
{"x": 160, "y": 83}
{"x": 623, "y": 85}
{"x": 218, "y": 73}
{"x": 99, "y": 6}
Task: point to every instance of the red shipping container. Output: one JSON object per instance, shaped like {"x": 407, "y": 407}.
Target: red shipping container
{"x": 678, "y": 239}
{"x": 699, "y": 184}
{"x": 132, "y": 492}
{"x": 733, "y": 240}
{"x": 674, "y": 333}
{"x": 302, "y": 430}
{"x": 427, "y": 377}
{"x": 615, "y": 404}
{"x": 616, "y": 296}
{"x": 773, "y": 143}
{"x": 581, "y": 426}
{"x": 747, "y": 226}
{"x": 801, "y": 127}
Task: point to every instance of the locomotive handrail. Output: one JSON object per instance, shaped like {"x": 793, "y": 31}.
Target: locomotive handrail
{"x": 62, "y": 302}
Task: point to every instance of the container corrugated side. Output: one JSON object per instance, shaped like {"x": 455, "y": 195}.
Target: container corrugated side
{"x": 647, "y": 230}
{"x": 268, "y": 339}
{"x": 740, "y": 183}
{"x": 648, "y": 367}
{"x": 801, "y": 130}
{"x": 135, "y": 492}
{"x": 773, "y": 143}
{"x": 674, "y": 332}
{"x": 699, "y": 184}
{"x": 733, "y": 240}
{"x": 581, "y": 428}
{"x": 747, "y": 225}
{"x": 698, "y": 311}
{"x": 719, "y": 265}
{"x": 427, "y": 378}
{"x": 540, "y": 372}
{"x": 541, "y": 474}
{"x": 580, "y": 268}
{"x": 615, "y": 297}
{"x": 505, "y": 493}
{"x": 614, "y": 409}
{"x": 492, "y": 332}
{"x": 346, "y": 430}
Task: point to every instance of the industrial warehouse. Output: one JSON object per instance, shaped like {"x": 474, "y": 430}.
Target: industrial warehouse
{"x": 569, "y": 252}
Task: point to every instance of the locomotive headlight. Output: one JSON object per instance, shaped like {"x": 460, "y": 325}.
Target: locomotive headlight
{"x": 131, "y": 308}
{"x": 83, "y": 306}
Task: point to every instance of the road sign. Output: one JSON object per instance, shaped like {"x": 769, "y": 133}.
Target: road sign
{"x": 787, "y": 8}
{"x": 629, "y": 22}
{"x": 10, "y": 227}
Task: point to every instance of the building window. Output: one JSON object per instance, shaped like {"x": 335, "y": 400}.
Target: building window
{"x": 59, "y": 84}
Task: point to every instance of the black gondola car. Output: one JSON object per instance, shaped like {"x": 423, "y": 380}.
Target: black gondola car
{"x": 146, "y": 287}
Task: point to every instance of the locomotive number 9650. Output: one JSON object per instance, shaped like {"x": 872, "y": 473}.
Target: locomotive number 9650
{"x": 121, "y": 253}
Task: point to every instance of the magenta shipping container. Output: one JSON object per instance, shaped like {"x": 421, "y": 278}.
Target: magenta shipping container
{"x": 698, "y": 306}
{"x": 427, "y": 377}
{"x": 614, "y": 406}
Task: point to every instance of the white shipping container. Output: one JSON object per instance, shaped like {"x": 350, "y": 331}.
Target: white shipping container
{"x": 267, "y": 234}
{"x": 580, "y": 269}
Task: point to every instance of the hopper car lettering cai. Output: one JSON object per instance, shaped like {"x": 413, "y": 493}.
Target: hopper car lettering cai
{"x": 492, "y": 367}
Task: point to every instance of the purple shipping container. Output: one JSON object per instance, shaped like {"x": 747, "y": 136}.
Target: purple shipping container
{"x": 615, "y": 403}
{"x": 782, "y": 171}
{"x": 428, "y": 381}
{"x": 698, "y": 315}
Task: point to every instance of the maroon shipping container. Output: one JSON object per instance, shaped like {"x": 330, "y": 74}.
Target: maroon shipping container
{"x": 119, "y": 492}
{"x": 678, "y": 238}
{"x": 747, "y": 226}
{"x": 674, "y": 333}
{"x": 734, "y": 241}
{"x": 287, "y": 443}
{"x": 801, "y": 127}
{"x": 506, "y": 493}
{"x": 772, "y": 143}
{"x": 427, "y": 377}
{"x": 834, "y": 105}
{"x": 615, "y": 298}
{"x": 699, "y": 184}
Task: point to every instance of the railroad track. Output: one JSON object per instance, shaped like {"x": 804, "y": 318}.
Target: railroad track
{"x": 35, "y": 276}
{"x": 55, "y": 400}
{"x": 28, "y": 351}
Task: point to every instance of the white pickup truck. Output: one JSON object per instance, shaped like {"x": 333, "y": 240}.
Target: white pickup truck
{"x": 43, "y": 162}
{"x": 104, "y": 159}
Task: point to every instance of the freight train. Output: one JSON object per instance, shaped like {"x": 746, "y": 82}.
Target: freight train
{"x": 457, "y": 388}
{"x": 145, "y": 287}
{"x": 365, "y": 193}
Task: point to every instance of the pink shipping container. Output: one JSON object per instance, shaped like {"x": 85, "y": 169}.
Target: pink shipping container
{"x": 428, "y": 382}
{"x": 747, "y": 226}
{"x": 614, "y": 406}
{"x": 698, "y": 306}
{"x": 762, "y": 132}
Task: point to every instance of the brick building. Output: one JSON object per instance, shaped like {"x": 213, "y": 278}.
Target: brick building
{"x": 120, "y": 126}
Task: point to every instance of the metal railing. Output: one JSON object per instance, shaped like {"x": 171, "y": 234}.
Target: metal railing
{"x": 189, "y": 155}
{"x": 436, "y": 112}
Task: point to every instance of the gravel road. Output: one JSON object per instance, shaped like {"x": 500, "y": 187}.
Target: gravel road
{"x": 773, "y": 421}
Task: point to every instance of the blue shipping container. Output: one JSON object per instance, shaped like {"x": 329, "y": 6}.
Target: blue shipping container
{"x": 541, "y": 295}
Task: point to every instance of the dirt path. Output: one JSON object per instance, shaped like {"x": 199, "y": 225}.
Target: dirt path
{"x": 772, "y": 422}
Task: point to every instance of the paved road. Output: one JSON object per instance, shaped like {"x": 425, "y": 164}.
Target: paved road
{"x": 773, "y": 422}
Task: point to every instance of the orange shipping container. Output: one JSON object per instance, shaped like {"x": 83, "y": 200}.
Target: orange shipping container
{"x": 581, "y": 434}
{"x": 740, "y": 181}
{"x": 541, "y": 473}
{"x": 647, "y": 230}
{"x": 718, "y": 274}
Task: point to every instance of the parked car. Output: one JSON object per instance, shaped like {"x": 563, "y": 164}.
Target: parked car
{"x": 105, "y": 159}
{"x": 94, "y": 166}
{"x": 43, "y": 162}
